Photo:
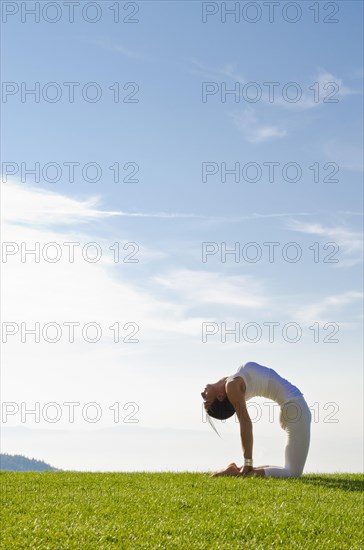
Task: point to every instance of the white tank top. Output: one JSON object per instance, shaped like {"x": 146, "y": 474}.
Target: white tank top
{"x": 265, "y": 382}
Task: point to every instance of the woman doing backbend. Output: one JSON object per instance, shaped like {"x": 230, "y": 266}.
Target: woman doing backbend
{"x": 230, "y": 394}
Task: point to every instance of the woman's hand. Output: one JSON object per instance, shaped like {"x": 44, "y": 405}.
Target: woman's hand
{"x": 246, "y": 470}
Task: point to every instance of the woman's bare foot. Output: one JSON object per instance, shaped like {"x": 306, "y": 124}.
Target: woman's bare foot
{"x": 231, "y": 470}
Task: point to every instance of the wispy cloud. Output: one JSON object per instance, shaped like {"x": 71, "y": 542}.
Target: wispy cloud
{"x": 350, "y": 242}
{"x": 351, "y": 213}
{"x": 194, "y": 66}
{"x": 120, "y": 49}
{"x": 34, "y": 215}
{"x": 254, "y": 216}
{"x": 322, "y": 88}
{"x": 253, "y": 130}
{"x": 31, "y": 205}
{"x": 200, "y": 287}
{"x": 231, "y": 71}
{"x": 40, "y": 207}
{"x": 328, "y": 308}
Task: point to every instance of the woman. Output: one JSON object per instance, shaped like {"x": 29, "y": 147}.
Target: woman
{"x": 229, "y": 396}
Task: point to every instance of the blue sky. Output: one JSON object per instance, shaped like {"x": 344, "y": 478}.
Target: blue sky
{"x": 169, "y": 213}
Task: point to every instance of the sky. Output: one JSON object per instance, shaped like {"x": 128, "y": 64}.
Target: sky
{"x": 181, "y": 194}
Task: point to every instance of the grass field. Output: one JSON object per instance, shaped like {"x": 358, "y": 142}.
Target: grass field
{"x": 69, "y": 510}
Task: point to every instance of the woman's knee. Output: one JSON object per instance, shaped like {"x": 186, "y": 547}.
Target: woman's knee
{"x": 294, "y": 472}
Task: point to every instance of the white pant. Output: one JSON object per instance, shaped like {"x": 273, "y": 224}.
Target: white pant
{"x": 295, "y": 419}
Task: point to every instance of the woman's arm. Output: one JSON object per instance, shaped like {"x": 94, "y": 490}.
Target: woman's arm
{"x": 236, "y": 397}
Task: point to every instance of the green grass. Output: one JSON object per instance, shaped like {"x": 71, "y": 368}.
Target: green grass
{"x": 69, "y": 510}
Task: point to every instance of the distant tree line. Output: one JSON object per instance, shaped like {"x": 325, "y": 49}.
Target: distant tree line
{"x": 20, "y": 463}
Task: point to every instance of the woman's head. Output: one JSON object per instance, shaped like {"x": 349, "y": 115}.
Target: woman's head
{"x": 221, "y": 409}
{"x": 216, "y": 402}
